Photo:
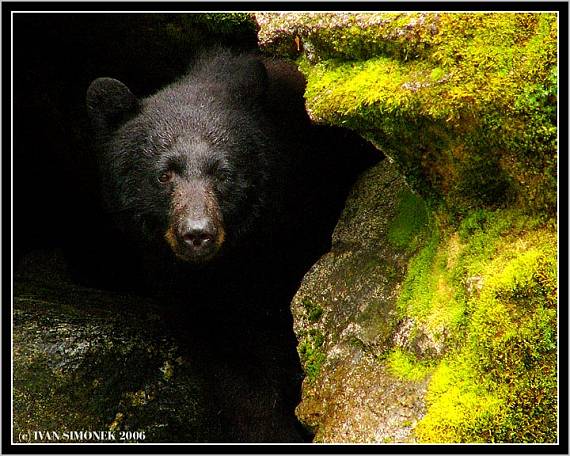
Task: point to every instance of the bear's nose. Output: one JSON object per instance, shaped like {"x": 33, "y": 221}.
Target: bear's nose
{"x": 197, "y": 238}
{"x": 199, "y": 235}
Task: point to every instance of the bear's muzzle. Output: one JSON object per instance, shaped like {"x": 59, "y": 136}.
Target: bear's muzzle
{"x": 195, "y": 232}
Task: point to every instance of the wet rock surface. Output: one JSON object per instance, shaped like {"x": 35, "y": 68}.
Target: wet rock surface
{"x": 346, "y": 320}
{"x": 361, "y": 402}
{"x": 91, "y": 360}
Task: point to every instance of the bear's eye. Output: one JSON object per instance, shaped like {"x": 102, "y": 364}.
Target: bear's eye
{"x": 166, "y": 176}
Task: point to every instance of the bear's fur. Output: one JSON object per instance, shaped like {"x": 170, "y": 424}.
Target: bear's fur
{"x": 230, "y": 194}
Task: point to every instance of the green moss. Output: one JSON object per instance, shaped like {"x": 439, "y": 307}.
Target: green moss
{"x": 226, "y": 23}
{"x": 405, "y": 365}
{"x": 311, "y": 353}
{"x": 470, "y": 118}
{"x": 465, "y": 105}
{"x": 311, "y": 341}
{"x": 391, "y": 34}
{"x": 348, "y": 36}
{"x": 428, "y": 294}
{"x": 460, "y": 408}
{"x": 313, "y": 311}
{"x": 417, "y": 287}
{"x": 406, "y": 229}
{"x": 488, "y": 292}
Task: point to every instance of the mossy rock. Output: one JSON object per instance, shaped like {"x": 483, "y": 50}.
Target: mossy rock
{"x": 465, "y": 103}
{"x": 489, "y": 289}
{"x": 96, "y": 361}
{"x": 465, "y": 106}
{"x": 468, "y": 325}
{"x": 345, "y": 317}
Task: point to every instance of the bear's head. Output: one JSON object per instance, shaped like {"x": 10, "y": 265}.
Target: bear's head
{"x": 187, "y": 165}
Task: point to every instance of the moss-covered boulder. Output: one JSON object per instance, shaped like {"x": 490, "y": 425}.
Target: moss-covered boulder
{"x": 413, "y": 330}
{"x": 346, "y": 317}
{"x": 465, "y": 106}
{"x": 101, "y": 363}
{"x": 487, "y": 290}
{"x": 464, "y": 103}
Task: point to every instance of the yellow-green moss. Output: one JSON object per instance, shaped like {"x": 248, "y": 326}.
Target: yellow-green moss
{"x": 405, "y": 365}
{"x": 311, "y": 352}
{"x": 407, "y": 227}
{"x": 488, "y": 292}
{"x": 417, "y": 287}
{"x": 333, "y": 35}
{"x": 471, "y": 117}
{"x": 465, "y": 104}
{"x": 464, "y": 410}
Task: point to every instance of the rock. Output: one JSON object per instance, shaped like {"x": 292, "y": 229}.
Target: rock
{"x": 346, "y": 320}
{"x": 456, "y": 100}
{"x": 466, "y": 107}
{"x": 90, "y": 360}
{"x": 346, "y": 35}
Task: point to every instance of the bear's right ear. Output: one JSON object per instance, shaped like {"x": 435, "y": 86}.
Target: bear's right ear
{"x": 109, "y": 104}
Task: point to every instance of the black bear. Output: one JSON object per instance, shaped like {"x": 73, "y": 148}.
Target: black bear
{"x": 198, "y": 163}
{"x": 230, "y": 193}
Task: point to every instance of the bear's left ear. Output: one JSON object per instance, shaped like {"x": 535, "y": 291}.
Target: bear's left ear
{"x": 109, "y": 104}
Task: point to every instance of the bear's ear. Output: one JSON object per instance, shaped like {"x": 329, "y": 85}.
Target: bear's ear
{"x": 109, "y": 103}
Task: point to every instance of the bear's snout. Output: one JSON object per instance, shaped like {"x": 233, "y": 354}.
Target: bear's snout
{"x": 195, "y": 231}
